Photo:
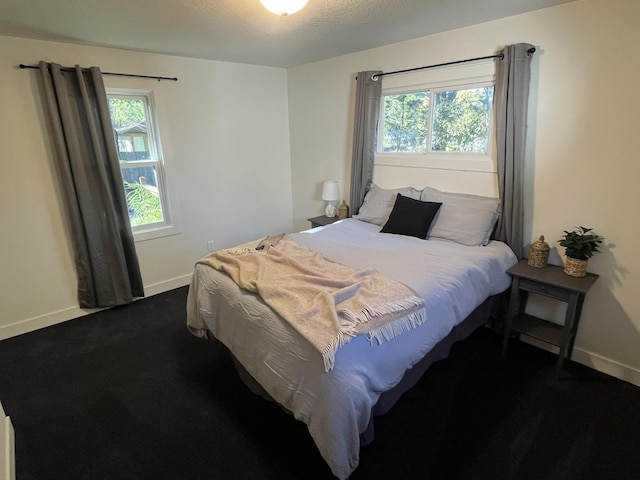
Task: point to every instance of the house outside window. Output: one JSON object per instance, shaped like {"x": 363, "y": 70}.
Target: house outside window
{"x": 438, "y": 119}
{"x": 136, "y": 134}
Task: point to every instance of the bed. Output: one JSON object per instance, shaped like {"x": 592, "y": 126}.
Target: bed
{"x": 457, "y": 272}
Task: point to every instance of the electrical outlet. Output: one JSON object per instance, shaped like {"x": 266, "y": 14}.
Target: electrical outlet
{"x": 211, "y": 246}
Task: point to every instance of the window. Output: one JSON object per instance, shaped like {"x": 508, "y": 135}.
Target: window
{"x": 405, "y": 117}
{"x": 437, "y": 122}
{"x": 141, "y": 165}
{"x": 461, "y": 120}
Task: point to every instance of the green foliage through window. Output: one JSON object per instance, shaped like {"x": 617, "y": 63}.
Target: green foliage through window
{"x": 126, "y": 111}
{"x": 405, "y": 122}
{"x": 461, "y": 120}
{"x": 458, "y": 121}
{"x": 144, "y": 205}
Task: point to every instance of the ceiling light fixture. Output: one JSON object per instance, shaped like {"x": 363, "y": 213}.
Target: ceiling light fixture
{"x": 283, "y": 7}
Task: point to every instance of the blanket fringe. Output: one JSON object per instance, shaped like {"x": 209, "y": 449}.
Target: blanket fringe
{"x": 386, "y": 332}
{"x": 329, "y": 353}
{"x": 369, "y": 312}
{"x": 393, "y": 329}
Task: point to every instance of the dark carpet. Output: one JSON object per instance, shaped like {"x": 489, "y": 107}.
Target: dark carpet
{"x": 129, "y": 393}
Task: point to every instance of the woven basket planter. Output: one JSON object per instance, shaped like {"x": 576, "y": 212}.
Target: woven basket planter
{"x": 575, "y": 267}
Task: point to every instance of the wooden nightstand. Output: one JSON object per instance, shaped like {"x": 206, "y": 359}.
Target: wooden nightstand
{"x": 550, "y": 281}
{"x": 322, "y": 220}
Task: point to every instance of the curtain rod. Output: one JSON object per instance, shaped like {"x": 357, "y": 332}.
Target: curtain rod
{"x": 499, "y": 55}
{"x": 174, "y": 79}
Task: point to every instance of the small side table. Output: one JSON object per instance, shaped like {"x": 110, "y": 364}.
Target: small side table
{"x": 550, "y": 281}
{"x": 322, "y": 220}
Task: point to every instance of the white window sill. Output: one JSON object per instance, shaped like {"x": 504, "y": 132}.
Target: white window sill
{"x": 153, "y": 233}
{"x": 447, "y": 161}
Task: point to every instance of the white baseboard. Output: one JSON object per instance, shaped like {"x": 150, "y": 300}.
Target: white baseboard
{"x": 59, "y": 316}
{"x": 7, "y": 448}
{"x": 607, "y": 365}
{"x": 595, "y": 361}
{"x": 167, "y": 285}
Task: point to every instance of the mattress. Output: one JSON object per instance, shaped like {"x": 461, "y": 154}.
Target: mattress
{"x": 336, "y": 406}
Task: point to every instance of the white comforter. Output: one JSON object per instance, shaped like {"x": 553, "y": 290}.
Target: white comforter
{"x": 452, "y": 279}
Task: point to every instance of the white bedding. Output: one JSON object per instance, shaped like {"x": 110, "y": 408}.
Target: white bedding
{"x": 336, "y": 406}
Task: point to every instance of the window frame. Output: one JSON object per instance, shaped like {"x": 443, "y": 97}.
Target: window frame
{"x": 165, "y": 227}
{"x": 463, "y": 77}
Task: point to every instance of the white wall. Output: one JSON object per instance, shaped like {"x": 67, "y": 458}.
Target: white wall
{"x": 583, "y": 165}
{"x": 225, "y": 137}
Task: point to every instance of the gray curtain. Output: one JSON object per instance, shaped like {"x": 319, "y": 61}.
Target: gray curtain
{"x": 87, "y": 162}
{"x": 368, "y": 94}
{"x": 511, "y": 100}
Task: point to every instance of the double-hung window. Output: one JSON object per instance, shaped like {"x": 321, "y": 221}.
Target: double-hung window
{"x": 140, "y": 155}
{"x": 440, "y": 119}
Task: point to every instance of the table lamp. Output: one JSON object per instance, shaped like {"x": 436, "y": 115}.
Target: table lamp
{"x": 331, "y": 195}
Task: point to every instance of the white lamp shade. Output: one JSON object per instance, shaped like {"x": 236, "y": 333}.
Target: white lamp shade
{"x": 283, "y": 7}
{"x": 330, "y": 191}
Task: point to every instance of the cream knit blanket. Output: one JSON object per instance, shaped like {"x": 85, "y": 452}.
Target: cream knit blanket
{"x": 326, "y": 302}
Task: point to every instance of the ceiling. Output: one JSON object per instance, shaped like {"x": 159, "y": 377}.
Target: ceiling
{"x": 243, "y": 30}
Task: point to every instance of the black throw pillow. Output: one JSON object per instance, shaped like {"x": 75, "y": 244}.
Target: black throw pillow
{"x": 411, "y": 217}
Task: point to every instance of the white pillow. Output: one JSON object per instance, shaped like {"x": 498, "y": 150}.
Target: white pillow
{"x": 463, "y": 218}
{"x": 378, "y": 203}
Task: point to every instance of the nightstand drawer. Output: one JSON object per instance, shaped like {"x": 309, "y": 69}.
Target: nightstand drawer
{"x": 544, "y": 289}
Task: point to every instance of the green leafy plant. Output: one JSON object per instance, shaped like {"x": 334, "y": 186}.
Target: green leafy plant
{"x": 581, "y": 243}
{"x": 144, "y": 204}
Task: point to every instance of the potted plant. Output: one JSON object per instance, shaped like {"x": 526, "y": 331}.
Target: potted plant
{"x": 580, "y": 245}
